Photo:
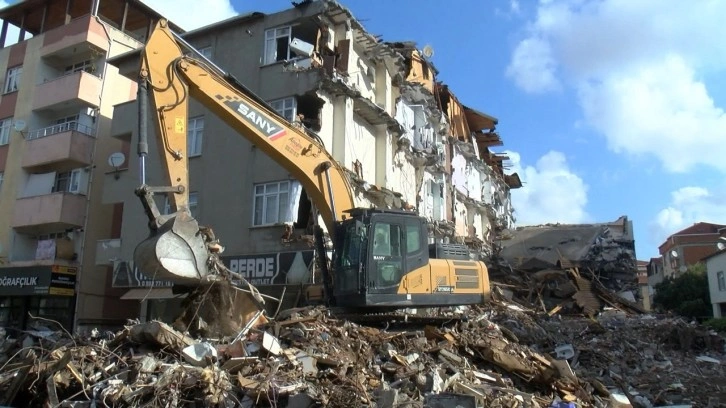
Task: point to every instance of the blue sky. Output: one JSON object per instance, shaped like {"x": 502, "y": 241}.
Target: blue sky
{"x": 607, "y": 107}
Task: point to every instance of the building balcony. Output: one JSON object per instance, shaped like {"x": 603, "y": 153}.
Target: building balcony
{"x": 76, "y": 89}
{"x": 59, "y": 147}
{"x": 82, "y": 34}
{"x": 108, "y": 250}
{"x": 51, "y": 212}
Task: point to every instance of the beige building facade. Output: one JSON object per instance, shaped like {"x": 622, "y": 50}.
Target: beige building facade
{"x": 55, "y": 116}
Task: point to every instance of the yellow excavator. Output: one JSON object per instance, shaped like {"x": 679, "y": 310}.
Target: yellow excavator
{"x": 381, "y": 259}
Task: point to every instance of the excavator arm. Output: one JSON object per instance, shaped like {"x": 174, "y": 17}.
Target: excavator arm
{"x": 177, "y": 250}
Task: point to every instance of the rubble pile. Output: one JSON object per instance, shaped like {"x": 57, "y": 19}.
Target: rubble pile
{"x": 498, "y": 355}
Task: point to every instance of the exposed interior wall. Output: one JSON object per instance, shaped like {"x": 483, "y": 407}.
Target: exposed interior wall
{"x": 360, "y": 148}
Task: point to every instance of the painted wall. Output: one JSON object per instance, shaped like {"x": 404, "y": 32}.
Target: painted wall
{"x": 714, "y": 265}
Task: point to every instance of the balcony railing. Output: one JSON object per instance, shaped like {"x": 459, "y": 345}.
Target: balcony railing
{"x": 60, "y": 128}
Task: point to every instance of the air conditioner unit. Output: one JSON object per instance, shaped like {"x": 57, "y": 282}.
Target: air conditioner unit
{"x": 302, "y": 48}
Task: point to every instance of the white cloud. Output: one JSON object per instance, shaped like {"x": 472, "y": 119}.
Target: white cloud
{"x": 532, "y": 67}
{"x": 191, "y": 14}
{"x": 637, "y": 67}
{"x": 551, "y": 193}
{"x": 688, "y": 205}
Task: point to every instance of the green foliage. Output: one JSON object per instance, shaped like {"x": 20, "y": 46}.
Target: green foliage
{"x": 718, "y": 324}
{"x": 687, "y": 294}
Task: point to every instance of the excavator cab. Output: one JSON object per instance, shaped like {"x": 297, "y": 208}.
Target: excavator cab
{"x": 375, "y": 251}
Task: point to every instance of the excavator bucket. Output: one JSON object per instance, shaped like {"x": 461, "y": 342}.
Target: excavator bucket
{"x": 176, "y": 252}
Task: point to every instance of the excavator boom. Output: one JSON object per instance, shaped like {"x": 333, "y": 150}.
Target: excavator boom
{"x": 382, "y": 258}
{"x": 176, "y": 250}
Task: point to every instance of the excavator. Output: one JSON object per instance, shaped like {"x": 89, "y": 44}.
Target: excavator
{"x": 381, "y": 258}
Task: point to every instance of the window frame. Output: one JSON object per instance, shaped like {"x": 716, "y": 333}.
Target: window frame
{"x": 6, "y": 126}
{"x": 13, "y": 76}
{"x": 193, "y": 204}
{"x": 195, "y": 133}
{"x": 265, "y": 195}
{"x": 73, "y": 180}
{"x": 206, "y": 52}
{"x": 282, "y": 108}
{"x": 87, "y": 66}
{"x": 271, "y": 38}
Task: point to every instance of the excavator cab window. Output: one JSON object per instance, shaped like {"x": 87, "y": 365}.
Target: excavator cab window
{"x": 387, "y": 260}
{"x": 350, "y": 261}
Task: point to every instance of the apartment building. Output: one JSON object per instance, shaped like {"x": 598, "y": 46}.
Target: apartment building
{"x": 689, "y": 246}
{"x": 55, "y": 116}
{"x": 405, "y": 139}
{"x": 716, "y": 271}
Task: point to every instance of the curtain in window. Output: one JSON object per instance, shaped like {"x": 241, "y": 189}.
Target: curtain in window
{"x": 294, "y": 200}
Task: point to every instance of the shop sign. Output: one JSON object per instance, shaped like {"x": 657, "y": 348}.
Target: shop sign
{"x": 278, "y": 268}
{"x": 62, "y": 280}
{"x": 38, "y": 280}
{"x": 127, "y": 275}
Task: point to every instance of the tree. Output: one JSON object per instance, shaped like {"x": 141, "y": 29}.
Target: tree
{"x": 687, "y": 294}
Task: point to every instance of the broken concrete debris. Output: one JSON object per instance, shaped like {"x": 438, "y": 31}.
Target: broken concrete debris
{"x": 498, "y": 355}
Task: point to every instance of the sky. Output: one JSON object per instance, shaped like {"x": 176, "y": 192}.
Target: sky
{"x": 606, "y": 107}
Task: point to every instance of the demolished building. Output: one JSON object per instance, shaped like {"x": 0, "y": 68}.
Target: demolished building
{"x": 405, "y": 139}
{"x": 583, "y": 262}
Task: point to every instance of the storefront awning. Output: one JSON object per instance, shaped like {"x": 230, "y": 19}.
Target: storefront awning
{"x": 150, "y": 294}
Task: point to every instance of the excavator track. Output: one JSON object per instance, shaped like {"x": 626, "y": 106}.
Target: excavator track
{"x": 393, "y": 319}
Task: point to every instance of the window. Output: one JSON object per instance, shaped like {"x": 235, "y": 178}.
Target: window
{"x": 721, "y": 281}
{"x": 286, "y": 107}
{"x": 5, "y": 126}
{"x": 12, "y": 79}
{"x": 67, "y": 182}
{"x": 195, "y": 130}
{"x": 271, "y": 203}
{"x": 277, "y": 45}
{"x": 206, "y": 51}
{"x": 52, "y": 235}
{"x": 67, "y": 123}
{"x": 86, "y": 66}
{"x": 413, "y": 238}
{"x": 2, "y": 178}
{"x": 193, "y": 201}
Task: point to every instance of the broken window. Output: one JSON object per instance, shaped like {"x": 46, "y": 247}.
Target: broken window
{"x": 308, "y": 109}
{"x": 277, "y": 42}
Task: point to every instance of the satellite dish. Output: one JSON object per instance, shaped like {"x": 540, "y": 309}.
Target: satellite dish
{"x": 19, "y": 125}
{"x": 721, "y": 246}
{"x": 674, "y": 253}
{"x": 428, "y": 51}
{"x": 115, "y": 160}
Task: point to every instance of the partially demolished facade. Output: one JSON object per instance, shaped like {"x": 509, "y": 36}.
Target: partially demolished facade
{"x": 586, "y": 264}
{"x": 405, "y": 139}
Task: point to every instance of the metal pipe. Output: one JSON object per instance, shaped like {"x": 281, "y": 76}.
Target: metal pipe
{"x": 330, "y": 190}
{"x": 143, "y": 146}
